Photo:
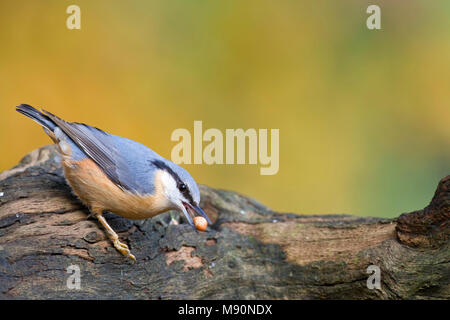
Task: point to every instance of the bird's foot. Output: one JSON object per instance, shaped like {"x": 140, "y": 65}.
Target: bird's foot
{"x": 123, "y": 249}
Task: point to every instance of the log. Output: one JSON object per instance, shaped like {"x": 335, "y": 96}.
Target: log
{"x": 250, "y": 251}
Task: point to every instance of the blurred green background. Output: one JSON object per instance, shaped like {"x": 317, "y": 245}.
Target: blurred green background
{"x": 364, "y": 116}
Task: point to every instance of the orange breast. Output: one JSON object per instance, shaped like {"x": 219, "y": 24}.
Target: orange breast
{"x": 95, "y": 190}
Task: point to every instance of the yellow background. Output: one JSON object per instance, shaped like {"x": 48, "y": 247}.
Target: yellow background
{"x": 363, "y": 115}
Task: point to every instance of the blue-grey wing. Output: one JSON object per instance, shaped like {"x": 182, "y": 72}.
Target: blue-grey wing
{"x": 139, "y": 160}
{"x": 126, "y": 163}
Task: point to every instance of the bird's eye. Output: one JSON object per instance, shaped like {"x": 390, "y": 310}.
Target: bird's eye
{"x": 182, "y": 187}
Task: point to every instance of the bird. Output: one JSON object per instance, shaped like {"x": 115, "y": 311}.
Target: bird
{"x": 109, "y": 173}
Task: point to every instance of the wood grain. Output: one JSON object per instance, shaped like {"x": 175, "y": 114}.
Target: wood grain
{"x": 249, "y": 252}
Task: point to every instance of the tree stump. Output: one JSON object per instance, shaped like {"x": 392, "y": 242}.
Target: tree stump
{"x": 250, "y": 251}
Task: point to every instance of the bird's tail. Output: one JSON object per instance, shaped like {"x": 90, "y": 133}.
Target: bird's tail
{"x": 37, "y": 116}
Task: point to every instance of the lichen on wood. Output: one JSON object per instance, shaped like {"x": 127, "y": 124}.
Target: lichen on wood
{"x": 249, "y": 252}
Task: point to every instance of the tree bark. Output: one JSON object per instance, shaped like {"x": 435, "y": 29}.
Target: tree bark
{"x": 250, "y": 251}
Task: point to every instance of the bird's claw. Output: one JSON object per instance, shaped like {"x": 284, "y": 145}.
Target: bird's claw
{"x": 123, "y": 248}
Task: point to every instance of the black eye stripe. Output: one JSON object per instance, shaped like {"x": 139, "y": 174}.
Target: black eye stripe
{"x": 184, "y": 190}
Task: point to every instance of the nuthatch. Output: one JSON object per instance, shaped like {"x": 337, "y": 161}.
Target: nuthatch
{"x": 116, "y": 174}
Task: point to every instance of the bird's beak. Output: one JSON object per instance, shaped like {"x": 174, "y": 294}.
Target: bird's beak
{"x": 194, "y": 210}
{"x": 201, "y": 212}
{"x": 184, "y": 208}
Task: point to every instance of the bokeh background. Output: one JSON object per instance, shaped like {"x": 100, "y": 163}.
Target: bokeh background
{"x": 364, "y": 116}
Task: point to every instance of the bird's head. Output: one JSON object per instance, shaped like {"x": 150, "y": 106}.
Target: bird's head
{"x": 181, "y": 190}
